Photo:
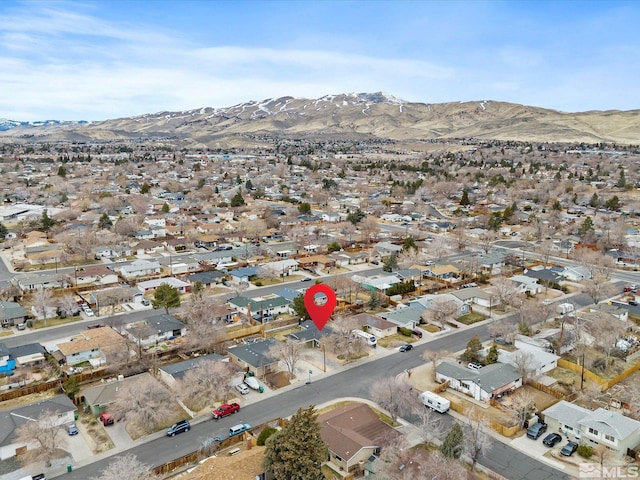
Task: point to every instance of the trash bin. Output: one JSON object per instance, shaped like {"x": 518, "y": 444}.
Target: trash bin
{"x": 250, "y": 373}
{"x": 261, "y": 389}
{"x": 69, "y": 469}
{"x": 75, "y": 417}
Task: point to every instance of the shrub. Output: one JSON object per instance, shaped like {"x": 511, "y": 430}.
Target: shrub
{"x": 264, "y": 434}
{"x": 585, "y": 451}
{"x": 405, "y": 331}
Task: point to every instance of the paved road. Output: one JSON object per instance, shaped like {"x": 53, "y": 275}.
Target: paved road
{"x": 354, "y": 382}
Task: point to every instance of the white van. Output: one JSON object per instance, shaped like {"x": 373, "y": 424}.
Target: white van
{"x": 435, "y": 402}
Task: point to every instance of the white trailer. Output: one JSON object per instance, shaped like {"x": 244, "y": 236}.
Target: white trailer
{"x": 565, "y": 309}
{"x": 371, "y": 340}
{"x": 435, "y": 402}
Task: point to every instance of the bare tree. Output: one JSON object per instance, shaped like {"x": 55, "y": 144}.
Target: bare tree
{"x": 204, "y": 332}
{"x": 145, "y": 403}
{"x": 502, "y": 328}
{"x": 504, "y": 289}
{"x": 429, "y": 425}
{"x": 67, "y": 304}
{"x": 524, "y": 362}
{"x": 440, "y": 311}
{"x": 434, "y": 356}
{"x": 598, "y": 287}
{"x": 527, "y": 317}
{"x": 126, "y": 466}
{"x": 394, "y": 395}
{"x": 45, "y": 432}
{"x": 476, "y": 439}
{"x": 341, "y": 341}
{"x": 487, "y": 240}
{"x": 42, "y": 301}
{"x": 606, "y": 331}
{"x": 207, "y": 381}
{"x": 521, "y": 406}
{"x": 289, "y": 353}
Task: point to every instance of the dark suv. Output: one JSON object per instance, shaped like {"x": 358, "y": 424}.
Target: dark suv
{"x": 551, "y": 439}
{"x": 181, "y": 426}
{"x": 536, "y": 430}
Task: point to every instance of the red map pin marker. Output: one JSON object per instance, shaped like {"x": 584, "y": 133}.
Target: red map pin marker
{"x": 320, "y": 300}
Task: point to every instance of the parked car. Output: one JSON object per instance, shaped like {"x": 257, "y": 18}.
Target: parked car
{"x": 21, "y": 326}
{"x": 178, "y": 427}
{"x": 106, "y": 418}
{"x": 225, "y": 409}
{"x": 242, "y": 388}
{"x": 88, "y": 312}
{"x": 145, "y": 302}
{"x": 406, "y": 347}
{"x": 306, "y": 279}
{"x": 569, "y": 448}
{"x": 72, "y": 429}
{"x": 633, "y": 303}
{"x": 536, "y": 430}
{"x": 40, "y": 476}
{"x": 416, "y": 333}
{"x": 238, "y": 429}
{"x": 552, "y": 439}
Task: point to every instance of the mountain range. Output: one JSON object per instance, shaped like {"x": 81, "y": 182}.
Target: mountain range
{"x": 356, "y": 116}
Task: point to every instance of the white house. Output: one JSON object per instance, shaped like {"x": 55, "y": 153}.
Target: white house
{"x": 576, "y": 273}
{"x": 482, "y": 384}
{"x": 524, "y": 284}
{"x": 152, "y": 285}
{"x": 534, "y": 359}
{"x": 140, "y": 268}
{"x": 606, "y": 427}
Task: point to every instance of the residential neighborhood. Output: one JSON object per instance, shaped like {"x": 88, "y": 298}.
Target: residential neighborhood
{"x": 182, "y": 286}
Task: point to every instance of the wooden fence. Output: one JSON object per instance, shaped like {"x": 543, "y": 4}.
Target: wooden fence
{"x": 28, "y": 390}
{"x": 603, "y": 382}
{"x": 546, "y": 389}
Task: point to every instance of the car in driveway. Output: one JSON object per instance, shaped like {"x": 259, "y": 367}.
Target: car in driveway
{"x": 225, "y": 409}
{"x": 106, "y": 418}
{"x": 536, "y": 430}
{"x": 552, "y": 439}
{"x": 72, "y": 429}
{"x": 178, "y": 427}
{"x": 242, "y": 388}
{"x": 569, "y": 448}
{"x": 406, "y": 347}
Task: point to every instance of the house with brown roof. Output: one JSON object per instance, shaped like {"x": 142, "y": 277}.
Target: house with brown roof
{"x": 94, "y": 275}
{"x": 353, "y": 433}
{"x": 93, "y": 344}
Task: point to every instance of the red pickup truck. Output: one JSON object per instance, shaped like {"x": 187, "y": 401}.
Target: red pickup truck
{"x": 225, "y": 409}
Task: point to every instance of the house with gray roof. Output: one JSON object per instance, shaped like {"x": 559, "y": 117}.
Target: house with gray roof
{"x": 11, "y": 313}
{"x": 208, "y": 278}
{"x": 606, "y": 427}
{"x": 99, "y": 398}
{"x": 483, "y": 384}
{"x": 154, "y": 329}
{"x": 255, "y": 357}
{"x": 407, "y": 317}
{"x": 58, "y": 410}
{"x": 172, "y": 374}
{"x": 308, "y": 333}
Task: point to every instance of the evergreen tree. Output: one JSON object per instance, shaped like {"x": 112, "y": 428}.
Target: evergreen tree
{"x": 145, "y": 188}
{"x": 334, "y": 247}
{"x": 297, "y": 451}
{"x": 46, "y": 222}
{"x": 492, "y": 355}
{"x": 594, "y": 202}
{"x": 586, "y": 228}
{"x": 409, "y": 243}
{"x": 390, "y": 264}
{"x": 299, "y": 307}
{"x": 62, "y": 172}
{"x": 237, "y": 200}
{"x": 472, "y": 353}
{"x": 452, "y": 445}
{"x": 166, "y": 297}
{"x": 3, "y": 231}
{"x": 464, "y": 200}
{"x": 165, "y": 207}
{"x": 105, "y": 223}
{"x": 304, "y": 208}
{"x": 248, "y": 185}
{"x": 622, "y": 181}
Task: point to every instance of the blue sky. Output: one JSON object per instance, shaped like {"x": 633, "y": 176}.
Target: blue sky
{"x": 108, "y": 59}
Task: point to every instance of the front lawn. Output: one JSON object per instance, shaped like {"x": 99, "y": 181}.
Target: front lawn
{"x": 396, "y": 338}
{"x": 471, "y": 317}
